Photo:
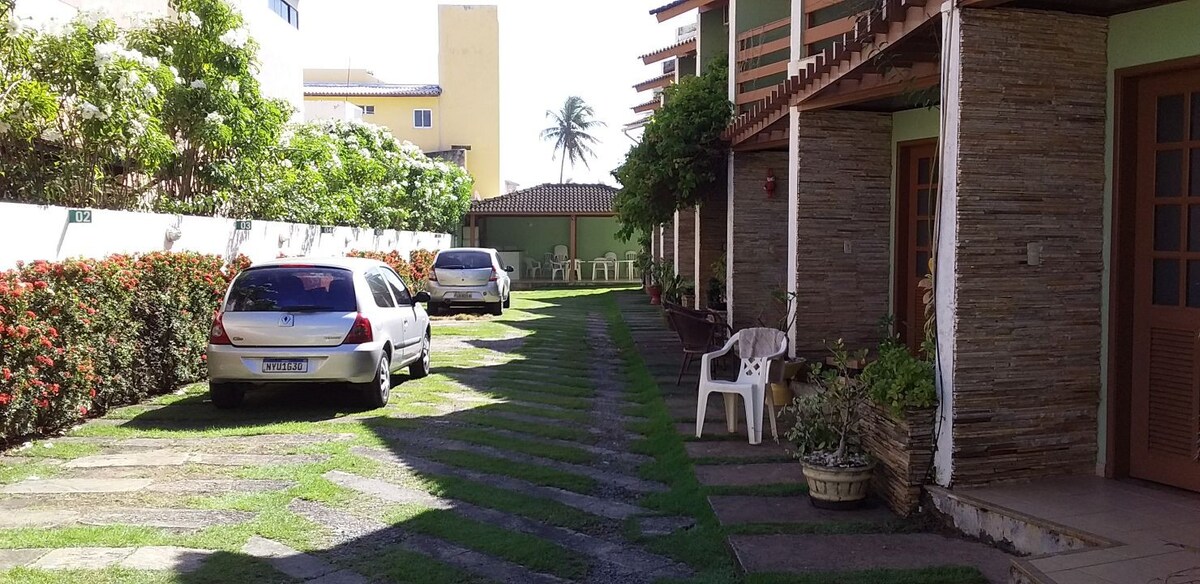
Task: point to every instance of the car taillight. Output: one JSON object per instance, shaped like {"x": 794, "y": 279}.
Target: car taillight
{"x": 217, "y": 334}
{"x": 432, "y": 275}
{"x": 495, "y": 276}
{"x": 360, "y": 332}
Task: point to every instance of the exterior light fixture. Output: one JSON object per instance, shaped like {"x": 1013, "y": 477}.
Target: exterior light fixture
{"x": 769, "y": 184}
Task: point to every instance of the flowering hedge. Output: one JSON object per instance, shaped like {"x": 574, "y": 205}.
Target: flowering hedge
{"x": 82, "y": 336}
{"x": 413, "y": 270}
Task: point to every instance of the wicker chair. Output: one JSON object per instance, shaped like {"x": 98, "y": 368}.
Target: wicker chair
{"x": 699, "y": 333}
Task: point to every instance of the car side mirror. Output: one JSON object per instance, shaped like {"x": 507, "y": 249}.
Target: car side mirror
{"x": 509, "y": 269}
{"x": 422, "y": 297}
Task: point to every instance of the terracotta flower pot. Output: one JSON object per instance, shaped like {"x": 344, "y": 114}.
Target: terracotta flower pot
{"x": 837, "y": 488}
{"x": 655, "y": 294}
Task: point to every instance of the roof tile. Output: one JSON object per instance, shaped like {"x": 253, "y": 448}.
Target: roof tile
{"x": 371, "y": 90}
{"x": 551, "y": 198}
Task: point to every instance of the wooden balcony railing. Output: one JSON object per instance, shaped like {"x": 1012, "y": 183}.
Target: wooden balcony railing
{"x": 762, "y": 60}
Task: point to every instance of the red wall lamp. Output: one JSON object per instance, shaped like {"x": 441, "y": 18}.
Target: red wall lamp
{"x": 769, "y": 184}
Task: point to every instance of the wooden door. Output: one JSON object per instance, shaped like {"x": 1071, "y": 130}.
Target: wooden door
{"x": 1165, "y": 406}
{"x": 916, "y": 196}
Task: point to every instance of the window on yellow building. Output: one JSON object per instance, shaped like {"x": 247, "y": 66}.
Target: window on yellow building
{"x": 368, "y": 110}
{"x": 422, "y": 118}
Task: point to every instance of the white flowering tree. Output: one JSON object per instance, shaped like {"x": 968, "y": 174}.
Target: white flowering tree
{"x": 224, "y": 129}
{"x": 351, "y": 173}
{"x": 169, "y": 116}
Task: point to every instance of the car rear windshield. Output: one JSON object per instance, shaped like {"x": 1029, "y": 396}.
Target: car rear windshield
{"x": 293, "y": 289}
{"x": 463, "y": 260}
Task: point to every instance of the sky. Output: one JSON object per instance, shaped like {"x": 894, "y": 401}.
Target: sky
{"x": 549, "y": 50}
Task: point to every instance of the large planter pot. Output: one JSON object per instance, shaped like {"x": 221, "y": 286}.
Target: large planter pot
{"x": 655, "y": 292}
{"x": 837, "y": 488}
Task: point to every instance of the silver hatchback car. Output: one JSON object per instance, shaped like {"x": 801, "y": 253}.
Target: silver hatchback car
{"x": 317, "y": 320}
{"x": 469, "y": 276}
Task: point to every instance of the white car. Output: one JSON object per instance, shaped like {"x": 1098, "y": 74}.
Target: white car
{"x": 469, "y": 276}
{"x": 317, "y": 320}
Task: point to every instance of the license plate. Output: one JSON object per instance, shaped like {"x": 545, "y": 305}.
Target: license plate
{"x": 462, "y": 294}
{"x": 285, "y": 366}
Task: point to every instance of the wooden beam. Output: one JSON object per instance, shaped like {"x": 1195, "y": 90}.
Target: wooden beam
{"x": 763, "y": 71}
{"x": 828, "y": 30}
{"x": 571, "y": 252}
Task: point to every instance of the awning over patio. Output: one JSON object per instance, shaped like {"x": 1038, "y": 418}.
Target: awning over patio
{"x": 529, "y": 223}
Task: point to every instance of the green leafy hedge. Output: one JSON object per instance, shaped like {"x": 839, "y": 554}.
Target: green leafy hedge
{"x": 81, "y": 336}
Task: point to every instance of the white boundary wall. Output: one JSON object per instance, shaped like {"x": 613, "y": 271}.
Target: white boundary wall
{"x": 35, "y": 232}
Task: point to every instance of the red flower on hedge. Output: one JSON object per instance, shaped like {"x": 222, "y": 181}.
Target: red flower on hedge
{"x": 6, "y": 373}
{"x": 44, "y": 360}
{"x": 5, "y": 398}
{"x": 83, "y": 410}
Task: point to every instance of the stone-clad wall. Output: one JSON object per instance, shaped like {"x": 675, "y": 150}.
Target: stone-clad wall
{"x": 668, "y": 241}
{"x": 845, "y": 213}
{"x": 760, "y": 228}
{"x": 1030, "y": 170}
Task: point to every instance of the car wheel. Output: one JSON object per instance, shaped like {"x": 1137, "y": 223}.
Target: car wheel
{"x": 508, "y": 300}
{"x": 496, "y": 308}
{"x": 379, "y": 390}
{"x": 226, "y": 395}
{"x": 420, "y": 367}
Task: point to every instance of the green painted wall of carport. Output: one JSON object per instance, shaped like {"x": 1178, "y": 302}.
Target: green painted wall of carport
{"x": 536, "y": 236}
{"x": 713, "y": 38}
{"x": 1136, "y": 38}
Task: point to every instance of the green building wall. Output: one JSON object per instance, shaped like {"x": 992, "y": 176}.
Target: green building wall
{"x": 754, "y": 14}
{"x": 536, "y": 236}
{"x": 714, "y": 38}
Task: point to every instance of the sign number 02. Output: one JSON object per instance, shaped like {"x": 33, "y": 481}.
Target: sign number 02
{"x": 79, "y": 216}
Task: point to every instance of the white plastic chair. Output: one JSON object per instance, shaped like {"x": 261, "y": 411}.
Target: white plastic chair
{"x": 751, "y": 384}
{"x": 610, "y": 259}
{"x": 577, "y": 267}
{"x": 600, "y": 264}
{"x": 629, "y": 261}
{"x": 533, "y": 268}
{"x": 559, "y": 262}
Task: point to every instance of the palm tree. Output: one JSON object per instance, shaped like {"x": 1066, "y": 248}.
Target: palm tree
{"x": 570, "y": 132}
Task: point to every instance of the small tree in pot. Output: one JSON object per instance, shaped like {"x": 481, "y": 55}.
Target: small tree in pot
{"x": 826, "y": 434}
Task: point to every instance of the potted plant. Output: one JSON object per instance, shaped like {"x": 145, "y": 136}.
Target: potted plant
{"x": 826, "y": 434}
{"x": 716, "y": 285}
{"x": 783, "y": 371}
{"x": 655, "y": 288}
{"x": 899, "y": 380}
{"x": 644, "y": 264}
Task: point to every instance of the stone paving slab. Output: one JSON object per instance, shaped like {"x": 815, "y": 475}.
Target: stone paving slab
{"x": 169, "y": 558}
{"x": 594, "y": 505}
{"x": 798, "y": 554}
{"x": 220, "y": 486}
{"x": 16, "y": 558}
{"x": 736, "y": 449}
{"x": 182, "y": 519}
{"x": 341, "y": 577}
{"x": 51, "y": 486}
{"x": 746, "y": 475}
{"x": 715, "y": 430}
{"x": 493, "y": 569}
{"x": 621, "y": 559}
{"x": 737, "y": 509}
{"x": 82, "y": 558}
{"x": 178, "y": 458}
{"x": 287, "y": 560}
{"x": 602, "y": 476}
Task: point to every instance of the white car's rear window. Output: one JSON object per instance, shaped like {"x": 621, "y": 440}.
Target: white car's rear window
{"x": 463, "y": 260}
{"x": 293, "y": 289}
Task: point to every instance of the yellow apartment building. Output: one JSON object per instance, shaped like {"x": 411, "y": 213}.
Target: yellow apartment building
{"x": 457, "y": 118}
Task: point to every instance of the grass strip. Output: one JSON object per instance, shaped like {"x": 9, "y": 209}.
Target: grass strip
{"x": 556, "y": 432}
{"x": 550, "y": 512}
{"x": 532, "y": 552}
{"x": 396, "y": 564}
{"x": 531, "y": 447}
{"x": 533, "y": 473}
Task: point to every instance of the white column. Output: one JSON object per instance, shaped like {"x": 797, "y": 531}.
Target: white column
{"x": 793, "y": 217}
{"x": 675, "y": 242}
{"x": 729, "y": 240}
{"x": 945, "y": 276}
